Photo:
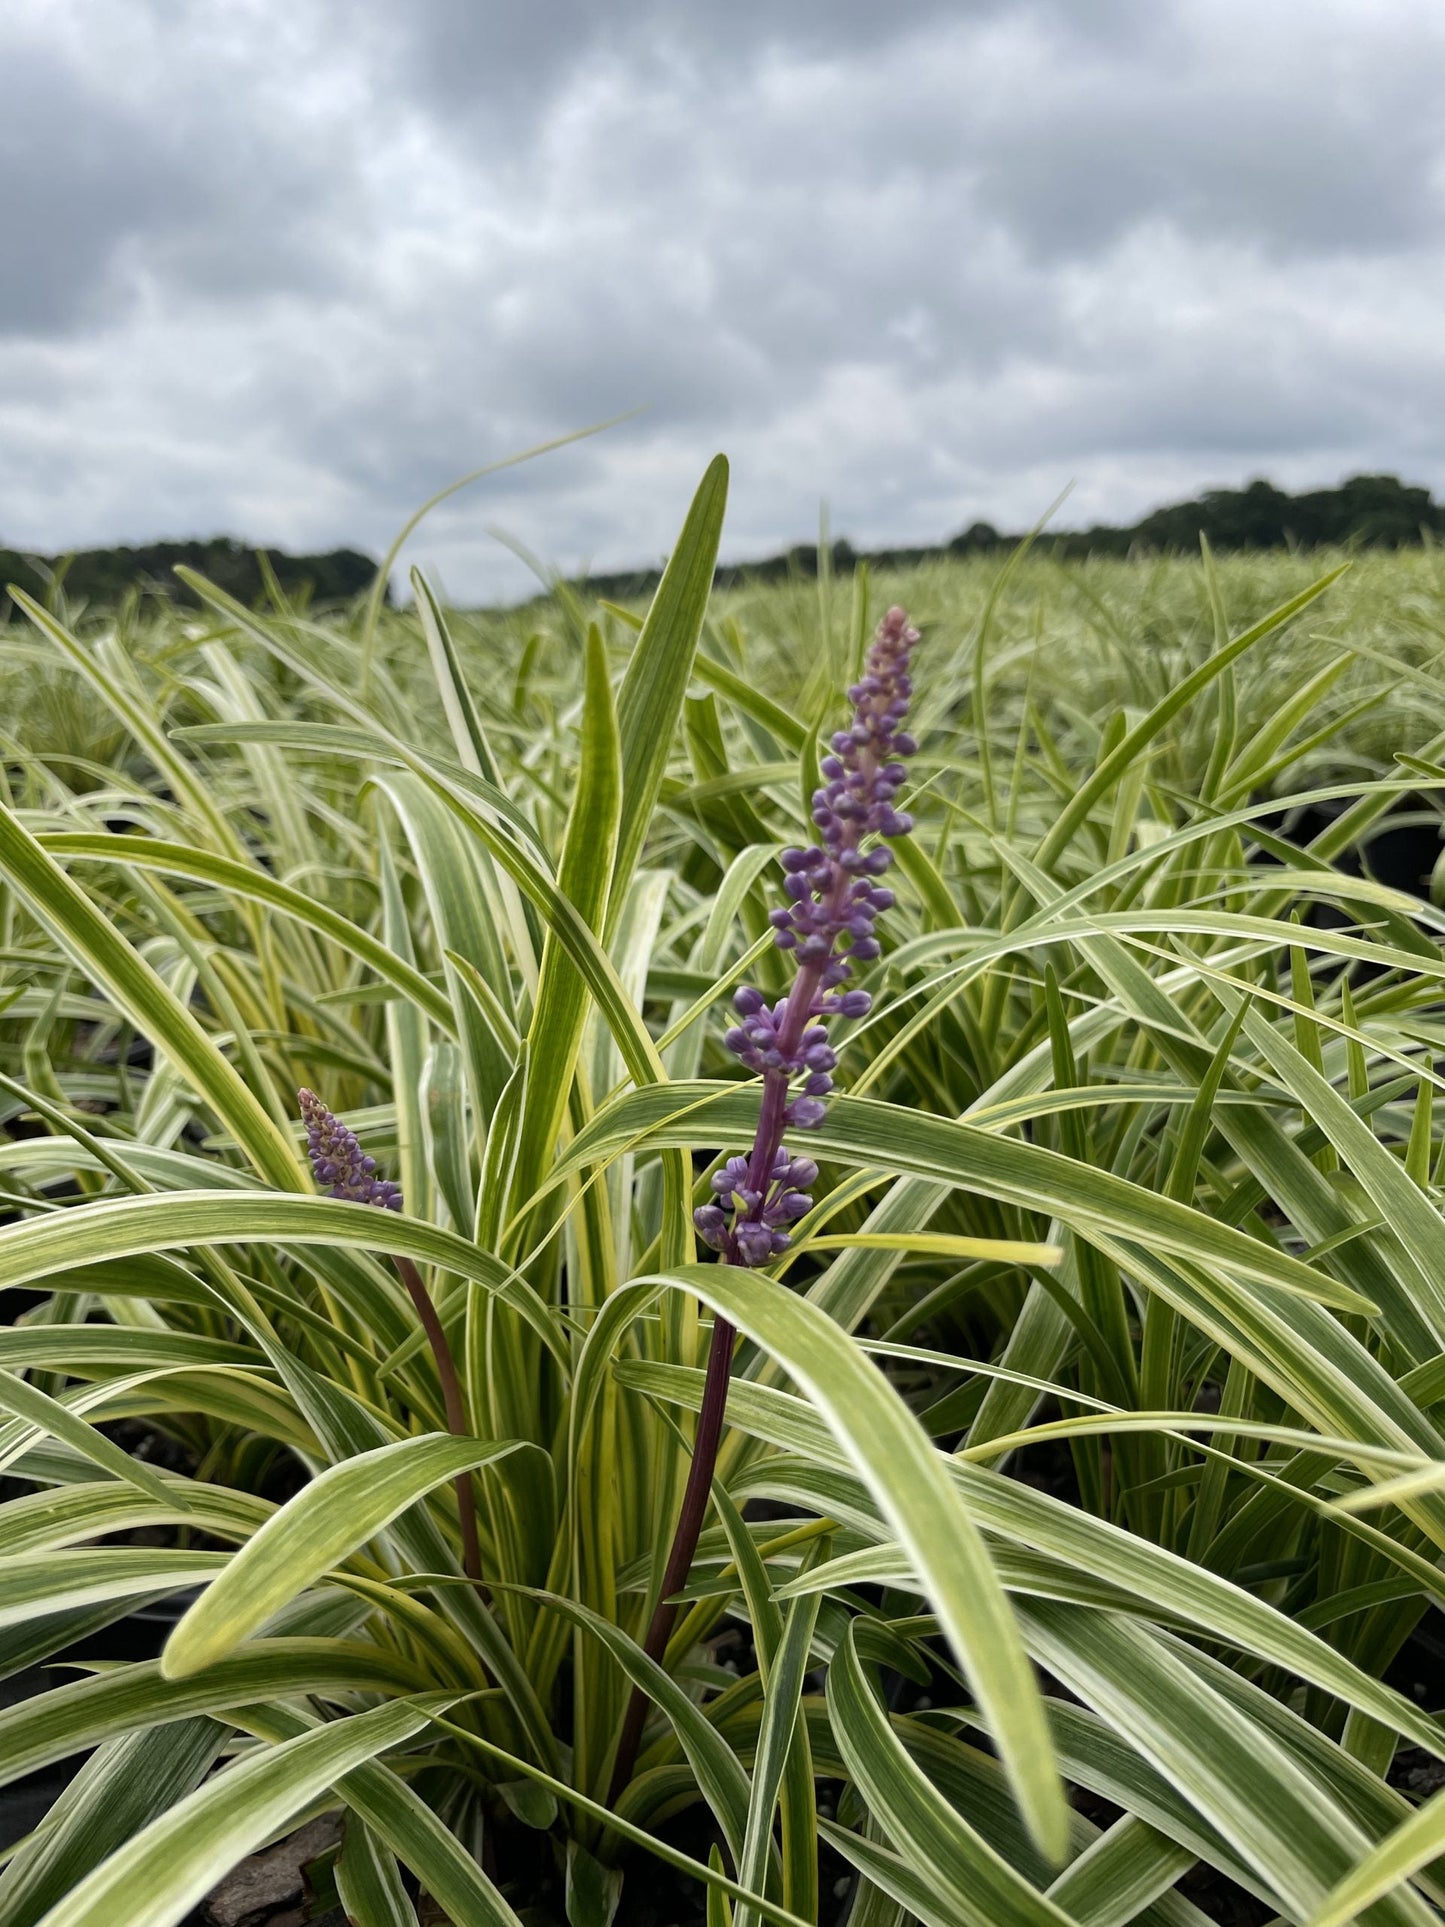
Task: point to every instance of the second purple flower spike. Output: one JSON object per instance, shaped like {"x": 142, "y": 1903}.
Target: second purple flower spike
{"x": 827, "y": 923}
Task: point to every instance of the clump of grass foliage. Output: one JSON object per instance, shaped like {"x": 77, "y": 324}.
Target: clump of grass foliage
{"x": 1083, "y": 1472}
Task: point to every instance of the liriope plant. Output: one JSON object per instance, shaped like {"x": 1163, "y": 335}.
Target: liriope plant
{"x": 1080, "y": 1434}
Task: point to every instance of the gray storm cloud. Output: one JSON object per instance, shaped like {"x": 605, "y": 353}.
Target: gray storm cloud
{"x": 284, "y": 270}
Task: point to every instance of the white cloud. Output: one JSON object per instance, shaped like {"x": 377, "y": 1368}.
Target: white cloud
{"x": 285, "y": 270}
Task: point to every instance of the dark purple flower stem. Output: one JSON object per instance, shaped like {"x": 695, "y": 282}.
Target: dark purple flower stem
{"x": 696, "y": 1492}
{"x": 832, "y": 898}
{"x": 455, "y": 1403}
{"x": 708, "y": 1438}
{"x": 684, "y": 1542}
{"x": 337, "y": 1162}
{"x": 772, "y": 1118}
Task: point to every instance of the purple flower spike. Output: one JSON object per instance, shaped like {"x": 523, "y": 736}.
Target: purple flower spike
{"x": 827, "y": 924}
{"x": 337, "y": 1160}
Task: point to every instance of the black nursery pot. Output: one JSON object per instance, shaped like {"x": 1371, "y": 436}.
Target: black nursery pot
{"x": 1400, "y": 849}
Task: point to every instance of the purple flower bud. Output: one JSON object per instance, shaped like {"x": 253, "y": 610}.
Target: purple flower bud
{"x": 754, "y": 1242}
{"x": 337, "y": 1160}
{"x": 712, "y": 1225}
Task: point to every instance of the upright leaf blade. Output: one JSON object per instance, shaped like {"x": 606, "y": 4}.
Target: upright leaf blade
{"x": 582, "y": 877}
{"x": 650, "y": 700}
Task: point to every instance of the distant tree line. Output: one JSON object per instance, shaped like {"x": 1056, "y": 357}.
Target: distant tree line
{"x": 1372, "y": 511}
{"x": 105, "y": 576}
{"x": 1375, "y": 511}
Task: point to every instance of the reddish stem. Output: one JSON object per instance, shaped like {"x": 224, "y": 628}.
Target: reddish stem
{"x": 454, "y": 1399}
{"x": 772, "y": 1120}
{"x": 684, "y": 1541}
{"x": 766, "y": 1141}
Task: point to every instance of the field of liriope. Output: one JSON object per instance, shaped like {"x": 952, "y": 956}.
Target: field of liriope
{"x": 851, "y": 1323}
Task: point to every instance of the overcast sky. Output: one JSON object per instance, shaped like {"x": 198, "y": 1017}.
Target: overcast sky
{"x": 281, "y": 268}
